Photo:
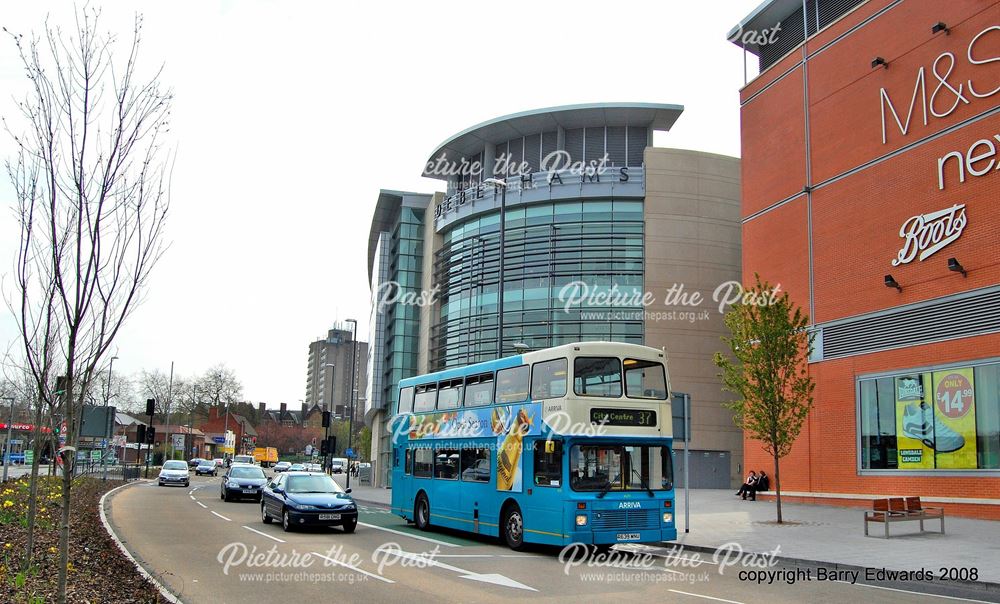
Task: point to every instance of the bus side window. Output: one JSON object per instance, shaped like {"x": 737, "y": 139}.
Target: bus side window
{"x": 423, "y": 462}
{"x": 476, "y": 465}
{"x": 548, "y": 463}
{"x": 406, "y": 400}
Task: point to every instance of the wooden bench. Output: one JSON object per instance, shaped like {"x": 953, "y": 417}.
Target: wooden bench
{"x": 900, "y": 509}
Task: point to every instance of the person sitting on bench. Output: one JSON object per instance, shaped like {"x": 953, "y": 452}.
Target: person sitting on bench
{"x": 748, "y": 485}
{"x": 763, "y": 484}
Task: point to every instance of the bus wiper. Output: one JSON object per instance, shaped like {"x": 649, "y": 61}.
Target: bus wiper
{"x": 607, "y": 488}
{"x": 643, "y": 483}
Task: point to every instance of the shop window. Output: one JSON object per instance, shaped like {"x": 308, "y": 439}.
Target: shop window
{"x": 946, "y": 419}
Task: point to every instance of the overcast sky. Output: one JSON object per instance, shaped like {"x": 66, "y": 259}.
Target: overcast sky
{"x": 290, "y": 116}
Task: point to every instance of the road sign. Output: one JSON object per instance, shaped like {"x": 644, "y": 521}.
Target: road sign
{"x": 178, "y": 441}
{"x": 104, "y": 443}
{"x": 219, "y": 440}
{"x": 349, "y": 452}
{"x": 95, "y": 455}
{"x": 29, "y": 457}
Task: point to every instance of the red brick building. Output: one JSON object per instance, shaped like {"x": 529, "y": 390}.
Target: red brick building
{"x": 219, "y": 421}
{"x": 871, "y": 193}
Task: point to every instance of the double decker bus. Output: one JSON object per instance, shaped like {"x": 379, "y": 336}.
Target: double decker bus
{"x": 570, "y": 444}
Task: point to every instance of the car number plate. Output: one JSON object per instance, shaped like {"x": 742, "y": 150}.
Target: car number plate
{"x": 627, "y": 536}
{"x": 329, "y": 516}
{"x": 248, "y": 491}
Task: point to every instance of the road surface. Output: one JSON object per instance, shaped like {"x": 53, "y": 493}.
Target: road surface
{"x": 206, "y": 550}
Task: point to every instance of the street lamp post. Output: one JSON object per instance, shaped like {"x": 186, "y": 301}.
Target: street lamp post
{"x": 350, "y": 389}
{"x": 107, "y": 398}
{"x": 502, "y": 185}
{"x": 329, "y": 411}
{"x": 225, "y": 433}
{"x": 10, "y": 428}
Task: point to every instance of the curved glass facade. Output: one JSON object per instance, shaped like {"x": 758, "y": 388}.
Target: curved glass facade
{"x": 549, "y": 246}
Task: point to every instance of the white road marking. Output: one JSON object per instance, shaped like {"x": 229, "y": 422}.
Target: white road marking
{"x": 687, "y": 593}
{"x": 192, "y": 497}
{"x": 202, "y": 504}
{"x": 389, "y": 530}
{"x": 354, "y": 568}
{"x": 221, "y": 516}
{"x": 262, "y": 534}
{"x": 494, "y": 578}
{"x": 906, "y": 591}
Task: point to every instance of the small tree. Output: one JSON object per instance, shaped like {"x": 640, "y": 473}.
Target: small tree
{"x": 771, "y": 344}
{"x": 90, "y": 181}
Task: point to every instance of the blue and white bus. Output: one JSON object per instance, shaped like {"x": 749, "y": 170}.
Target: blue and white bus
{"x": 570, "y": 444}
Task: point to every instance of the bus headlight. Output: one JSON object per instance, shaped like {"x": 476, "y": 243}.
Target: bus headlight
{"x": 667, "y": 516}
{"x": 581, "y": 520}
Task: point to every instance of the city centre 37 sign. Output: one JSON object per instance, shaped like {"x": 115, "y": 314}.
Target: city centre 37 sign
{"x": 925, "y": 234}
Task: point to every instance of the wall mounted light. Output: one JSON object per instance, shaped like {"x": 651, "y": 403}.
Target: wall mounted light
{"x": 955, "y": 266}
{"x": 890, "y": 282}
{"x": 879, "y": 61}
{"x": 939, "y": 27}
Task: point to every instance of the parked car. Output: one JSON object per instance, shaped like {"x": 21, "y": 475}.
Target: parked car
{"x": 174, "y": 471}
{"x": 194, "y": 461}
{"x": 246, "y": 459}
{"x": 296, "y": 467}
{"x": 308, "y": 499}
{"x": 206, "y": 467}
{"x": 243, "y": 481}
{"x": 281, "y": 466}
{"x": 218, "y": 462}
{"x": 313, "y": 467}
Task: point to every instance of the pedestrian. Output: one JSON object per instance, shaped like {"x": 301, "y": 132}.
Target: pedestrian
{"x": 763, "y": 484}
{"x": 748, "y": 485}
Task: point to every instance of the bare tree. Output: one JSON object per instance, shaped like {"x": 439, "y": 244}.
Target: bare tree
{"x": 91, "y": 183}
{"x": 220, "y": 386}
{"x": 154, "y": 385}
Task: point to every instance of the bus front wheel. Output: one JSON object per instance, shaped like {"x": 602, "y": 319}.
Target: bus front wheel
{"x": 513, "y": 527}
{"x": 422, "y": 513}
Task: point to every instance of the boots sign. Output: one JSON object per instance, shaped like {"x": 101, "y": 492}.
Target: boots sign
{"x": 925, "y": 234}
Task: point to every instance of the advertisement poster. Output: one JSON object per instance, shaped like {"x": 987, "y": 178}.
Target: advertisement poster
{"x": 508, "y": 424}
{"x": 955, "y": 418}
{"x": 914, "y": 422}
{"x": 474, "y": 423}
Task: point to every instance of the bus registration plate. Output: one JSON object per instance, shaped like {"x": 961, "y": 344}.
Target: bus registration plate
{"x": 627, "y": 536}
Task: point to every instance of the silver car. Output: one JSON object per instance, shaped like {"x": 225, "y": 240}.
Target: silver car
{"x": 174, "y": 472}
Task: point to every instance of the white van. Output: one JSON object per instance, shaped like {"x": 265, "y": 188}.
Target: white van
{"x": 338, "y": 465}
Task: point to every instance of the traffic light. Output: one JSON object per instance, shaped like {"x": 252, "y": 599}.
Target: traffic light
{"x": 150, "y": 406}
{"x": 322, "y": 448}
{"x": 326, "y": 419}
{"x": 151, "y": 435}
{"x": 331, "y": 445}
{"x": 140, "y": 433}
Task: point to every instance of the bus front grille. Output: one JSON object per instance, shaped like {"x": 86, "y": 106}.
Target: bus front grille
{"x": 624, "y": 519}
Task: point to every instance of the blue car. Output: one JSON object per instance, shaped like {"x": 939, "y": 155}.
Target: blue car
{"x": 243, "y": 481}
{"x": 300, "y": 499}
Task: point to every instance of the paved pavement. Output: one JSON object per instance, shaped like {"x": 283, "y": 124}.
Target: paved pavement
{"x": 186, "y": 536}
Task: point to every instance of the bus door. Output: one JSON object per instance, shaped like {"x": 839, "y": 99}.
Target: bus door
{"x": 545, "y": 491}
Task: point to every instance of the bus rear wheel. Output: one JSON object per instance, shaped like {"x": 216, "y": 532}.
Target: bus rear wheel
{"x": 513, "y": 527}
{"x": 422, "y": 513}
